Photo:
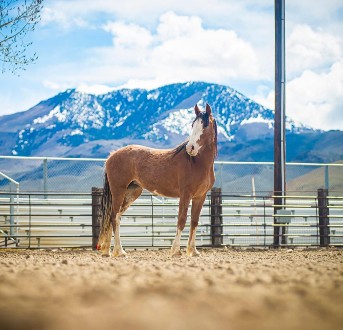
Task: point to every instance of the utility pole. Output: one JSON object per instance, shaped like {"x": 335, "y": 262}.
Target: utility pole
{"x": 279, "y": 121}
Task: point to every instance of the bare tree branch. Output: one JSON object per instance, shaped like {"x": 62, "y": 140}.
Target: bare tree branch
{"x": 17, "y": 19}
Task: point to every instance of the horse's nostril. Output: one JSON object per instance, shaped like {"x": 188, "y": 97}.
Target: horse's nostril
{"x": 192, "y": 148}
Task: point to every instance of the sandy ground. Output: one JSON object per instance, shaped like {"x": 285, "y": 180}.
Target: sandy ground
{"x": 223, "y": 289}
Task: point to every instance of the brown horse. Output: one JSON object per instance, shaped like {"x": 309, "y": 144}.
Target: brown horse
{"x": 186, "y": 172}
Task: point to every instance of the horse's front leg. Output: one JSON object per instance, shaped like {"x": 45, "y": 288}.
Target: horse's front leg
{"x": 181, "y": 222}
{"x": 197, "y": 204}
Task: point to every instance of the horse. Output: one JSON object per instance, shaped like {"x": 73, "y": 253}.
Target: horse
{"x": 185, "y": 172}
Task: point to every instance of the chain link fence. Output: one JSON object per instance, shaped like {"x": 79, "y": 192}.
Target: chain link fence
{"x": 41, "y": 174}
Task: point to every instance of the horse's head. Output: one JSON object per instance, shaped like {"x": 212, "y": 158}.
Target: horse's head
{"x": 204, "y": 132}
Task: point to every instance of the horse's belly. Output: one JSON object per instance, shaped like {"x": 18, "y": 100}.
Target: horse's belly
{"x": 164, "y": 191}
{"x": 158, "y": 187}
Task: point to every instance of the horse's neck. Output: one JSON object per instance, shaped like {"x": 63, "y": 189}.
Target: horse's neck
{"x": 207, "y": 155}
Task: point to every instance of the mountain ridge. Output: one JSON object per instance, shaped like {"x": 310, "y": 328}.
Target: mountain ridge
{"x": 74, "y": 123}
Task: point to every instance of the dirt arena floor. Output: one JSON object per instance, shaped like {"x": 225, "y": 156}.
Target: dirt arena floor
{"x": 223, "y": 289}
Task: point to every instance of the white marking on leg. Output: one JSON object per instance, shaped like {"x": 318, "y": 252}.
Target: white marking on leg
{"x": 118, "y": 249}
{"x": 191, "y": 248}
{"x": 192, "y": 241}
{"x": 106, "y": 245}
{"x": 175, "y": 250}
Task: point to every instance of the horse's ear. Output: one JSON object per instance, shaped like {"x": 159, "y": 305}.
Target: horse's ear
{"x": 196, "y": 110}
{"x": 208, "y": 109}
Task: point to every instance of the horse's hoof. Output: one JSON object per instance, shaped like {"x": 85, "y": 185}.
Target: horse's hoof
{"x": 119, "y": 253}
{"x": 105, "y": 251}
{"x": 176, "y": 254}
{"x": 193, "y": 253}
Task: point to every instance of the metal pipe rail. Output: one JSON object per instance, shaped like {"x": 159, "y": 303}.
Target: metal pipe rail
{"x": 64, "y": 220}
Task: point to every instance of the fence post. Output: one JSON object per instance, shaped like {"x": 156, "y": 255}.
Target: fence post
{"x": 216, "y": 217}
{"x": 324, "y": 220}
{"x": 96, "y": 215}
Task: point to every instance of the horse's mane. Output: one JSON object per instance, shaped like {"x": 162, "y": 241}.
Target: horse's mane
{"x": 180, "y": 147}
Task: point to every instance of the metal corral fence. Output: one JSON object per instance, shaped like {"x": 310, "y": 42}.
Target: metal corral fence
{"x": 47, "y": 174}
{"x": 55, "y": 220}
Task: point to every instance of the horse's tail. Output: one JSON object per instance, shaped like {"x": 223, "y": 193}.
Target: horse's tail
{"x": 106, "y": 210}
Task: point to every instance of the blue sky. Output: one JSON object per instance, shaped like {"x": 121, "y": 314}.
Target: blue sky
{"x": 104, "y": 44}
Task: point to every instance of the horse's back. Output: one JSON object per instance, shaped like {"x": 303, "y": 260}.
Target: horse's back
{"x": 130, "y": 157}
{"x": 153, "y": 169}
{"x": 135, "y": 151}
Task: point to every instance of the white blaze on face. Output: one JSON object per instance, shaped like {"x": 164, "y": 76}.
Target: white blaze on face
{"x": 193, "y": 146}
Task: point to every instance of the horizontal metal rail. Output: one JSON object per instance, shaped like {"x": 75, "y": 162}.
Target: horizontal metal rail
{"x": 64, "y": 220}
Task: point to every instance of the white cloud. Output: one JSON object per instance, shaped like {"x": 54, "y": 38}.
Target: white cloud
{"x": 314, "y": 99}
{"x": 178, "y": 49}
{"x": 314, "y": 79}
{"x": 146, "y": 11}
{"x": 94, "y": 89}
{"x": 318, "y": 12}
{"x": 308, "y": 49}
{"x": 174, "y": 26}
{"x": 129, "y": 35}
{"x": 181, "y": 49}
{"x": 62, "y": 17}
{"x": 53, "y": 85}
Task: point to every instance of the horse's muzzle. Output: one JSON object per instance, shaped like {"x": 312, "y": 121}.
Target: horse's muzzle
{"x": 192, "y": 153}
{"x": 191, "y": 150}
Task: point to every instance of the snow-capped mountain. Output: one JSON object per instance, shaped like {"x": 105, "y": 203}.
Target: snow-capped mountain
{"x": 74, "y": 123}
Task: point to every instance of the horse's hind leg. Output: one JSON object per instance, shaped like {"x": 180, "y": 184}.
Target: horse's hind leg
{"x": 132, "y": 192}
{"x": 118, "y": 250}
{"x": 106, "y": 245}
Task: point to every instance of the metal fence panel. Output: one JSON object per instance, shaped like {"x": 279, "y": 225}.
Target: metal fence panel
{"x": 38, "y": 220}
{"x": 247, "y": 207}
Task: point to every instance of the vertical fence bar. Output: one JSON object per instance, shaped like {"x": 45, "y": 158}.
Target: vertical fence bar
{"x": 17, "y": 213}
{"x": 216, "y": 217}
{"x": 326, "y": 176}
{"x": 264, "y": 222}
{"x": 11, "y": 212}
{"x": 152, "y": 221}
{"x": 317, "y": 221}
{"x": 45, "y": 177}
{"x": 30, "y": 220}
{"x": 96, "y": 215}
{"x": 221, "y": 175}
{"x": 324, "y": 220}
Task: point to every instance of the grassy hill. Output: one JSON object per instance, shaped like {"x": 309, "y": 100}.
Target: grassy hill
{"x": 316, "y": 179}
